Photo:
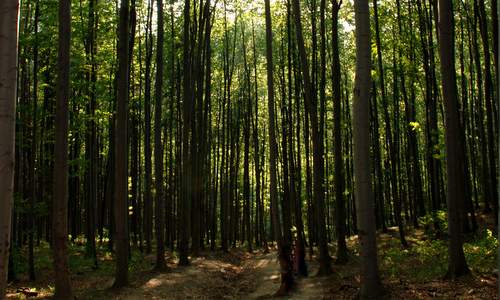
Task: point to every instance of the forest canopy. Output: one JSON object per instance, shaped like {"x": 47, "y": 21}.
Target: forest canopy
{"x": 175, "y": 149}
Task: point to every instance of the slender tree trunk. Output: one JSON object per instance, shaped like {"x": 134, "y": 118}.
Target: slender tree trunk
{"x": 299, "y": 254}
{"x": 482, "y": 136}
{"x": 33, "y": 150}
{"x": 497, "y": 45}
{"x": 337, "y": 132}
{"x": 91, "y": 140}
{"x": 388, "y": 133}
{"x": 120, "y": 159}
{"x": 148, "y": 203}
{"x": 371, "y": 285}
{"x": 318, "y": 180}
{"x": 259, "y": 218}
{"x": 133, "y": 128}
{"x": 246, "y": 159}
{"x": 490, "y": 108}
{"x": 433, "y": 164}
{"x": 283, "y": 250}
{"x": 60, "y": 203}
{"x": 9, "y": 13}
{"x": 158, "y": 147}
{"x": 457, "y": 265}
{"x": 185, "y": 201}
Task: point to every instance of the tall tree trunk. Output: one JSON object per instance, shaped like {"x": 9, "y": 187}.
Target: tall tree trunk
{"x": 457, "y": 266}
{"x": 433, "y": 164}
{"x": 371, "y": 285}
{"x": 246, "y": 160}
{"x": 133, "y": 128}
{"x": 490, "y": 108}
{"x": 318, "y": 180}
{"x": 33, "y": 150}
{"x": 388, "y": 132}
{"x": 412, "y": 141}
{"x": 91, "y": 139}
{"x": 497, "y": 45}
{"x": 148, "y": 203}
{"x": 283, "y": 249}
{"x": 120, "y": 159}
{"x": 337, "y": 143}
{"x": 299, "y": 254}
{"x": 259, "y": 205}
{"x": 185, "y": 201}
{"x": 60, "y": 203}
{"x": 9, "y": 15}
{"x": 158, "y": 147}
{"x": 482, "y": 135}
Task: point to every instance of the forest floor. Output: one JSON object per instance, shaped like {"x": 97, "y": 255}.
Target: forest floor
{"x": 413, "y": 273}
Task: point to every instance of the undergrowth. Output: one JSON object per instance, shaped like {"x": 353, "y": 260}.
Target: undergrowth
{"x": 427, "y": 259}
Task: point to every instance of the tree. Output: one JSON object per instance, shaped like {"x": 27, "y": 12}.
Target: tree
{"x": 457, "y": 266}
{"x": 310, "y": 104}
{"x": 283, "y": 250}
{"x": 60, "y": 204}
{"x": 9, "y": 13}
{"x": 370, "y": 282}
{"x": 148, "y": 204}
{"x": 33, "y": 154}
{"x": 158, "y": 150}
{"x": 479, "y": 11}
{"x": 338, "y": 163}
{"x": 91, "y": 137}
{"x": 121, "y": 174}
{"x": 497, "y": 45}
{"x": 185, "y": 200}
{"x": 388, "y": 132}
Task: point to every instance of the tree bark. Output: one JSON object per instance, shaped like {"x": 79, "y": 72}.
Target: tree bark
{"x": 337, "y": 143}
{"x": 148, "y": 203}
{"x": 120, "y": 159}
{"x": 283, "y": 250}
{"x": 455, "y": 198}
{"x": 185, "y": 201}
{"x": 371, "y": 285}
{"x": 318, "y": 178}
{"x": 33, "y": 150}
{"x": 158, "y": 146}
{"x": 60, "y": 203}
{"x": 9, "y": 13}
{"x": 388, "y": 133}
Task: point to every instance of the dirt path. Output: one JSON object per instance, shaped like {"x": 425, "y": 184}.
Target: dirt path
{"x": 213, "y": 276}
{"x": 242, "y": 275}
{"x": 236, "y": 275}
{"x": 265, "y": 268}
{"x": 266, "y": 275}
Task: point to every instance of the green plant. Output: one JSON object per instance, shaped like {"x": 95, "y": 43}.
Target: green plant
{"x": 431, "y": 220}
{"x": 481, "y": 253}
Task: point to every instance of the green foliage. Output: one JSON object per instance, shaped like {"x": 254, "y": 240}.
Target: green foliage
{"x": 427, "y": 259}
{"x": 439, "y": 218}
{"x": 79, "y": 263}
{"x": 481, "y": 253}
{"x": 415, "y": 126}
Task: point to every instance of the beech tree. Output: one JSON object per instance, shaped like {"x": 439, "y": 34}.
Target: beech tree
{"x": 284, "y": 249}
{"x": 371, "y": 284}
{"x": 455, "y": 167}
{"x": 60, "y": 204}
{"x": 9, "y": 14}
{"x": 158, "y": 150}
{"x": 247, "y": 136}
{"x": 311, "y": 108}
{"x": 339, "y": 164}
{"x": 121, "y": 169}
